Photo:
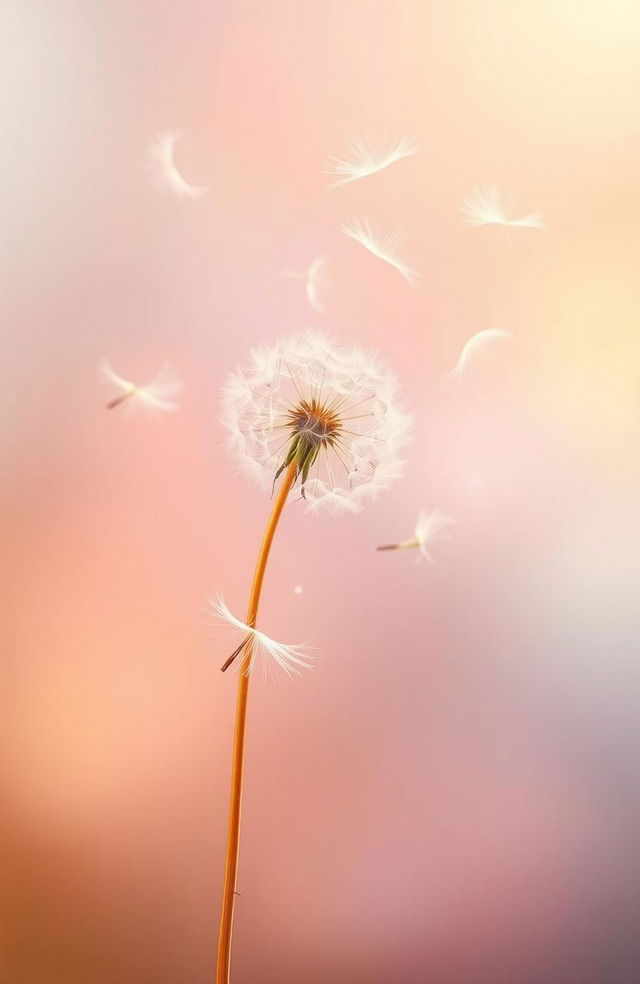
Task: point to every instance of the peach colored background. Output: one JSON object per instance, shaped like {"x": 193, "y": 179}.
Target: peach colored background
{"x": 448, "y": 796}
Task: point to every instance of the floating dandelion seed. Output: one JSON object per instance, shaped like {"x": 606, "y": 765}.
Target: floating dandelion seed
{"x": 430, "y": 527}
{"x": 329, "y": 409}
{"x": 484, "y": 206}
{"x": 361, "y": 159}
{"x": 154, "y": 396}
{"x": 476, "y": 344}
{"x": 305, "y": 410}
{"x": 311, "y": 278}
{"x": 382, "y": 245}
{"x": 162, "y": 156}
{"x": 290, "y": 658}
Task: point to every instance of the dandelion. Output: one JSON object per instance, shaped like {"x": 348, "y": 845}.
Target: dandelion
{"x": 383, "y": 245}
{"x": 311, "y": 279}
{"x": 154, "y": 396}
{"x": 325, "y": 417}
{"x": 430, "y": 527}
{"x": 361, "y": 159}
{"x": 475, "y": 345}
{"x": 328, "y": 410}
{"x": 484, "y": 206}
{"x": 162, "y": 157}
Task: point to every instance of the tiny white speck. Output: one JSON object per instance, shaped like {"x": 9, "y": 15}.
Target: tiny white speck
{"x": 298, "y": 589}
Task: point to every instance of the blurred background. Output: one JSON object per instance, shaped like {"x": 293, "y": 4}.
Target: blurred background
{"x": 450, "y": 796}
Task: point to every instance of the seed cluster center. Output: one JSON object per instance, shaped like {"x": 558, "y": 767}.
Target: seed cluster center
{"x": 317, "y": 423}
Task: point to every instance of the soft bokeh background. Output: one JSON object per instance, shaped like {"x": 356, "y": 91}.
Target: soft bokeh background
{"x": 449, "y": 796}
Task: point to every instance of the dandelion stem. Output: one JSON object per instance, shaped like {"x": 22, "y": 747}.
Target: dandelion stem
{"x": 237, "y": 768}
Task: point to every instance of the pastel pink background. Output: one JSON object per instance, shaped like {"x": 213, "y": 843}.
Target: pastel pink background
{"x": 449, "y": 795}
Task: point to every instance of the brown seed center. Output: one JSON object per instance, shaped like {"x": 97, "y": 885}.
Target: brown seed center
{"x": 316, "y": 422}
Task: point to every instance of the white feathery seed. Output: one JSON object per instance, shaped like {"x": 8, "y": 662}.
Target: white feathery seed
{"x": 484, "y": 206}
{"x": 430, "y": 527}
{"x": 310, "y": 277}
{"x": 361, "y": 159}
{"x": 157, "y": 395}
{"x": 290, "y": 658}
{"x": 383, "y": 245}
{"x": 162, "y": 157}
{"x": 475, "y": 345}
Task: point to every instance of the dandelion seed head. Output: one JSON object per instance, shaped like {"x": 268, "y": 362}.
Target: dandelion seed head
{"x": 330, "y": 409}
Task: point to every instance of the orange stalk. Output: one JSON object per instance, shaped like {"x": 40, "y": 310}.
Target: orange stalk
{"x": 237, "y": 767}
